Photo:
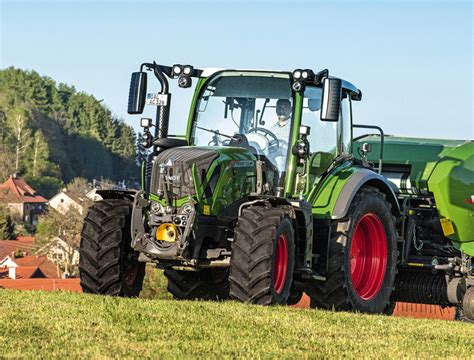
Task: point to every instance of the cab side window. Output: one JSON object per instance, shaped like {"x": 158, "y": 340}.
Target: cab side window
{"x": 323, "y": 136}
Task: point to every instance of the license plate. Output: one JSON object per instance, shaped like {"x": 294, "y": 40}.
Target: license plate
{"x": 157, "y": 99}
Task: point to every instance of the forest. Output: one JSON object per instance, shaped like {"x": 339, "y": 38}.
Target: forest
{"x": 51, "y": 133}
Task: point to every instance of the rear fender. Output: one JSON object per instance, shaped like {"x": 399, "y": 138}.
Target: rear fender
{"x": 335, "y": 195}
{"x": 353, "y": 185}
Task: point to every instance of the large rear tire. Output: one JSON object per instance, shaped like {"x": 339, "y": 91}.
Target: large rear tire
{"x": 207, "y": 284}
{"x": 466, "y": 313}
{"x": 262, "y": 260}
{"x": 362, "y": 258}
{"x": 107, "y": 264}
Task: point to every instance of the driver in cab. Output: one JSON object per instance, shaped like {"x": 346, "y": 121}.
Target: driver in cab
{"x": 281, "y": 128}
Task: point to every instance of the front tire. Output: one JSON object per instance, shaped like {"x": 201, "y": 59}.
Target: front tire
{"x": 107, "y": 264}
{"x": 262, "y": 260}
{"x": 362, "y": 258}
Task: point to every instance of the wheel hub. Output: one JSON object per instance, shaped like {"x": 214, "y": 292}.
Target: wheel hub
{"x": 280, "y": 264}
{"x": 368, "y": 256}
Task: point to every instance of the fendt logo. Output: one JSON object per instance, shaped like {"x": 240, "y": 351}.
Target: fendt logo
{"x": 163, "y": 166}
{"x": 172, "y": 177}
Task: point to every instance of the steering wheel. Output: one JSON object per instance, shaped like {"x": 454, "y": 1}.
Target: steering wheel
{"x": 273, "y": 142}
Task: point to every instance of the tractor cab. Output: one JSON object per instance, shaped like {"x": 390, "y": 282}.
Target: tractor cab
{"x": 250, "y": 110}
{"x": 268, "y": 113}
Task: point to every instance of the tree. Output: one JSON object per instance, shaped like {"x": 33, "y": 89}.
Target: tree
{"x": 21, "y": 135}
{"x": 7, "y": 161}
{"x": 47, "y": 186}
{"x": 78, "y": 189}
{"x": 7, "y": 227}
{"x": 40, "y": 154}
{"x": 60, "y": 232}
{"x": 54, "y": 131}
{"x": 79, "y": 186}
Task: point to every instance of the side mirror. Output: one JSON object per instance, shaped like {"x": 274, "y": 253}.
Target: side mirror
{"x": 137, "y": 93}
{"x": 331, "y": 99}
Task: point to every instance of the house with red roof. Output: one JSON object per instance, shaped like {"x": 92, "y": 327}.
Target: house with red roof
{"x": 21, "y": 269}
{"x": 17, "y": 260}
{"x": 22, "y": 199}
{"x": 28, "y": 267}
{"x": 23, "y": 245}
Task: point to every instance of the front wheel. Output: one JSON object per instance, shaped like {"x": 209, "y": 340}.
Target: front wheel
{"x": 262, "y": 261}
{"x": 107, "y": 264}
{"x": 362, "y": 258}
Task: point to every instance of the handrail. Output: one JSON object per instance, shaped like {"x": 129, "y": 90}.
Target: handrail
{"x": 382, "y": 137}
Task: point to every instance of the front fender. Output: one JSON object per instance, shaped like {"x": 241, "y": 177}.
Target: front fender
{"x": 116, "y": 194}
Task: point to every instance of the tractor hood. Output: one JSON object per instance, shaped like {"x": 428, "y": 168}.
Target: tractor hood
{"x": 207, "y": 174}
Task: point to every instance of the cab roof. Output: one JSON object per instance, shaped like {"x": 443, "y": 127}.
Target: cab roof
{"x": 207, "y": 72}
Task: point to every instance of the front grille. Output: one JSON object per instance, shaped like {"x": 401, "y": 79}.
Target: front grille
{"x": 172, "y": 170}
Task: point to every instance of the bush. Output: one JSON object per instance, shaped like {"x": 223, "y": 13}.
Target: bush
{"x": 7, "y": 227}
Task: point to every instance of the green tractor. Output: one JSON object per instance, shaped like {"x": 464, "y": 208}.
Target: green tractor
{"x": 268, "y": 195}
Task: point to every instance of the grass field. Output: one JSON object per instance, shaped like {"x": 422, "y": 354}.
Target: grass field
{"x": 60, "y": 324}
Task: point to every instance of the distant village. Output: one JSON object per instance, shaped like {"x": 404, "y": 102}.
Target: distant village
{"x": 41, "y": 250}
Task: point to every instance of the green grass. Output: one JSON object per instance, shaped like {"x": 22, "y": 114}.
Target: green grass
{"x": 60, "y": 324}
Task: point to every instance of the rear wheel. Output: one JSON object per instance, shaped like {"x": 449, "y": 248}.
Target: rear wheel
{"x": 108, "y": 265}
{"x": 207, "y": 284}
{"x": 362, "y": 258}
{"x": 262, "y": 261}
{"x": 466, "y": 313}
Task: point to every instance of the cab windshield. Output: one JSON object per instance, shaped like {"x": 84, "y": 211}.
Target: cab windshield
{"x": 251, "y": 110}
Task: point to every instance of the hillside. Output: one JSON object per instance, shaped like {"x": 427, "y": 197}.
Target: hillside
{"x": 82, "y": 326}
{"x": 51, "y": 133}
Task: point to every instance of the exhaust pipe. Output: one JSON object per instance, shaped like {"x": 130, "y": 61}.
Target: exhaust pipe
{"x": 162, "y": 111}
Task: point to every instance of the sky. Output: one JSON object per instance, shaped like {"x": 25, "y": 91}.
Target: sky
{"x": 413, "y": 61}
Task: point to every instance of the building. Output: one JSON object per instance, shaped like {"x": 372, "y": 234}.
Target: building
{"x": 28, "y": 267}
{"x": 63, "y": 200}
{"x": 22, "y": 246}
{"x": 60, "y": 253}
{"x": 17, "y": 260}
{"x": 22, "y": 199}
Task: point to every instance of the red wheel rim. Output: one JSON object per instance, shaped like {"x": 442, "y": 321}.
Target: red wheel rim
{"x": 280, "y": 264}
{"x": 368, "y": 256}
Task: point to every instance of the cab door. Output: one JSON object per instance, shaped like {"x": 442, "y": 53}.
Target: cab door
{"x": 327, "y": 139}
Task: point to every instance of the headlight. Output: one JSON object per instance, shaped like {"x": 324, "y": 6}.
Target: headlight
{"x": 188, "y": 70}
{"x": 177, "y": 69}
{"x": 187, "y": 209}
{"x": 297, "y": 74}
{"x": 184, "y": 81}
{"x": 145, "y": 122}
